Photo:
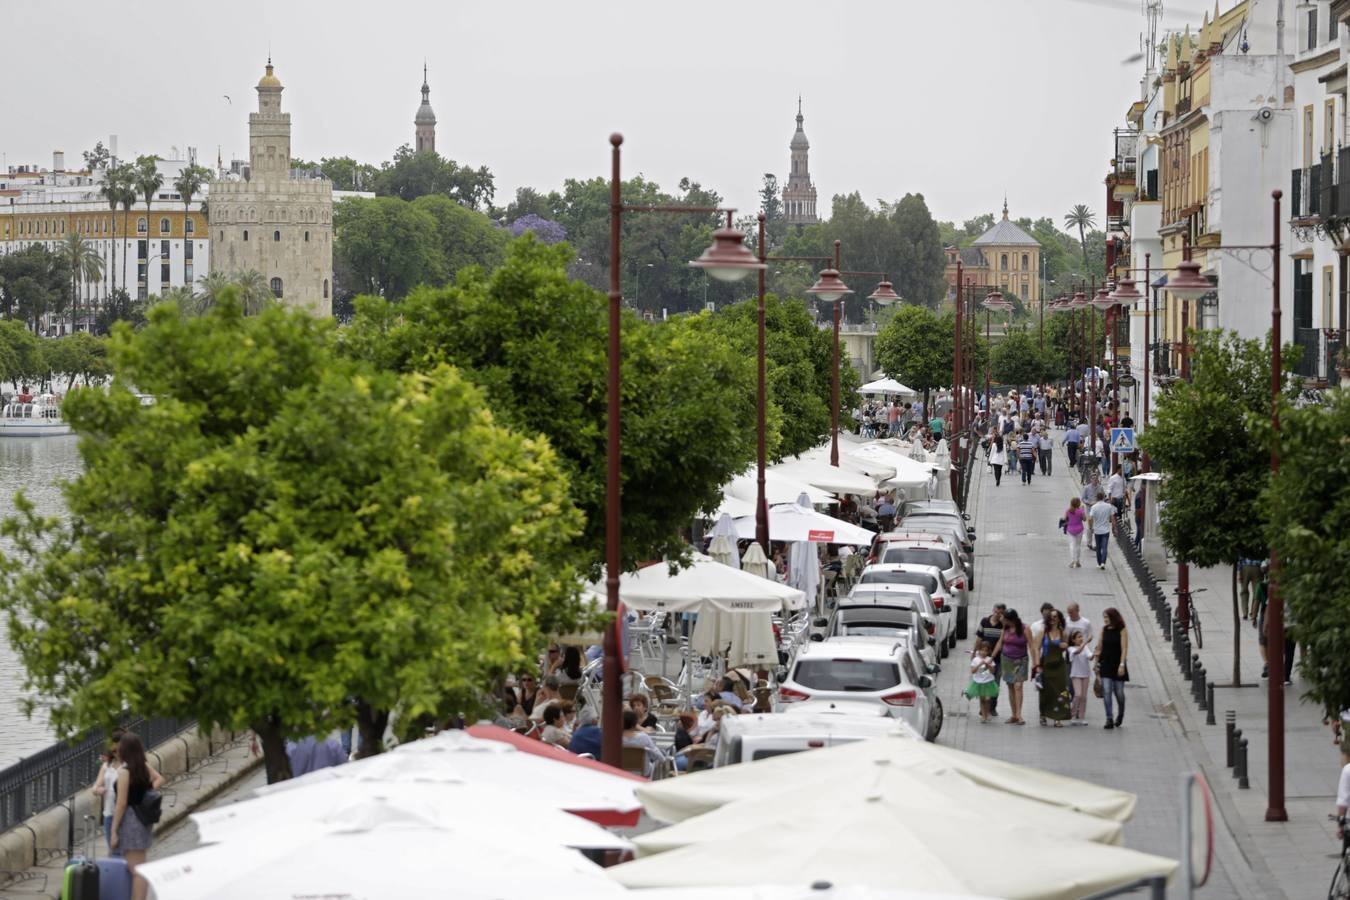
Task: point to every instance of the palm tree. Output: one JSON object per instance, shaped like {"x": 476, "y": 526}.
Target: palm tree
{"x": 189, "y": 182}
{"x": 85, "y": 265}
{"x": 254, "y": 291}
{"x": 211, "y": 286}
{"x": 127, "y": 200}
{"x": 111, "y": 189}
{"x": 1080, "y": 217}
{"x": 148, "y": 182}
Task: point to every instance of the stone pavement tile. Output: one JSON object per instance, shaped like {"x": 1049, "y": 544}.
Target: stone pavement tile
{"x": 1023, "y": 561}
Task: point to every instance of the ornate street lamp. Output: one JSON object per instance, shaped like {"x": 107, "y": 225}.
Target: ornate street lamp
{"x": 831, "y": 288}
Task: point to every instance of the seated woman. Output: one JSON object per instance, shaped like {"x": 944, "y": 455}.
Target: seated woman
{"x": 569, "y": 670}
{"x": 639, "y": 703}
{"x": 555, "y": 732}
{"x": 633, "y": 737}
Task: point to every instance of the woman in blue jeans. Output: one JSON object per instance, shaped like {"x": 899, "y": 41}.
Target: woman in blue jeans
{"x": 1112, "y": 653}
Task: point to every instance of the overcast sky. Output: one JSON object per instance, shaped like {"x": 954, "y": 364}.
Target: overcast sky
{"x": 960, "y": 100}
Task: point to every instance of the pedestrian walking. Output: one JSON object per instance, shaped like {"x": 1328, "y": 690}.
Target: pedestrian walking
{"x": 1070, "y": 442}
{"x": 1100, "y": 514}
{"x": 1116, "y": 491}
{"x": 998, "y": 457}
{"x": 1074, "y": 623}
{"x": 1249, "y": 576}
{"x": 1140, "y": 505}
{"x": 1072, "y": 523}
{"x": 1053, "y": 667}
{"x": 1026, "y": 457}
{"x": 1044, "y": 450}
{"x": 1112, "y": 657}
{"x": 990, "y": 630}
{"x": 1013, "y": 646}
{"x": 105, "y": 787}
{"x": 1010, "y": 444}
{"x": 983, "y": 685}
{"x": 1080, "y": 672}
{"x": 130, "y": 836}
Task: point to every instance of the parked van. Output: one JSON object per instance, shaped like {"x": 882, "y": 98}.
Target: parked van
{"x": 810, "y": 725}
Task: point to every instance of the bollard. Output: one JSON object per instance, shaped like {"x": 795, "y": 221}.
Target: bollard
{"x": 1176, "y": 644}
{"x": 1166, "y": 623}
{"x": 1209, "y": 704}
{"x": 1203, "y": 687}
{"x": 1186, "y": 657}
{"x": 1243, "y": 784}
{"x": 1195, "y": 668}
{"x": 1237, "y": 738}
{"x": 1230, "y": 739}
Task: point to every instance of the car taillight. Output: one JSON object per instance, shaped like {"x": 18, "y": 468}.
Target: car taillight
{"x": 788, "y": 695}
{"x": 959, "y": 584}
{"x": 931, "y": 628}
{"x": 900, "y": 698}
{"x": 939, "y": 602}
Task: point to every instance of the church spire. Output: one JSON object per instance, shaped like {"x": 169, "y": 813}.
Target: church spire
{"x": 1005, "y": 205}
{"x": 424, "y": 123}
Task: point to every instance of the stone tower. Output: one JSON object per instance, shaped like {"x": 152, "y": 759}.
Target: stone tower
{"x": 273, "y": 221}
{"x": 799, "y": 196}
{"x": 425, "y": 120}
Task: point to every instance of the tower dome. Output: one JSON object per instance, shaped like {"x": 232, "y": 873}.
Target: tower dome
{"x": 799, "y": 141}
{"x": 269, "y": 80}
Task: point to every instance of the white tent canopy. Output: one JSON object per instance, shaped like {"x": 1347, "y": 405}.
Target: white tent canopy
{"x": 909, "y": 472}
{"x": 887, "y": 386}
{"x": 704, "y": 582}
{"x": 789, "y": 522}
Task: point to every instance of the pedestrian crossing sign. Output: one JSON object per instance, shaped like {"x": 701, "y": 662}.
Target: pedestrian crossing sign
{"x": 1122, "y": 440}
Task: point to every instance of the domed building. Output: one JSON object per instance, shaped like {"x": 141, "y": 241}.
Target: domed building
{"x": 424, "y": 123}
{"x": 273, "y": 220}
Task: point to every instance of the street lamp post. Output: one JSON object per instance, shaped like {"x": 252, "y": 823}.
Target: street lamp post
{"x": 727, "y": 260}
{"x": 1275, "y": 811}
{"x": 830, "y": 288}
{"x": 956, "y": 387}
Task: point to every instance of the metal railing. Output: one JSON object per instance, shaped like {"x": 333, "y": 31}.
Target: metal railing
{"x": 1306, "y": 192}
{"x": 1309, "y": 362}
{"x": 48, "y": 777}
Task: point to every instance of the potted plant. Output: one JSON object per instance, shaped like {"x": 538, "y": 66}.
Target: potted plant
{"x": 1343, "y": 365}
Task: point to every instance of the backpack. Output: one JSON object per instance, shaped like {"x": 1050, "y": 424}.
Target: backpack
{"x": 151, "y": 807}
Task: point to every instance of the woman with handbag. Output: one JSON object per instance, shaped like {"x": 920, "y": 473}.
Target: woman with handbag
{"x": 1053, "y": 666}
{"x": 1111, "y": 659}
{"x": 131, "y": 834}
{"x": 1072, "y": 524}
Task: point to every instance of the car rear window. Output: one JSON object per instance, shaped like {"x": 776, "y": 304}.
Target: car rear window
{"x": 870, "y": 629}
{"x": 846, "y": 674}
{"x": 767, "y": 754}
{"x": 928, "y": 582}
{"x": 918, "y": 556}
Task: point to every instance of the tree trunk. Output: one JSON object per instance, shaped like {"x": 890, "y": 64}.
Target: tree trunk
{"x": 1237, "y": 632}
{"x": 275, "y": 761}
{"x": 370, "y": 724}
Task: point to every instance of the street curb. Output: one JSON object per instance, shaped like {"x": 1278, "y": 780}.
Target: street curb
{"x": 1191, "y": 726}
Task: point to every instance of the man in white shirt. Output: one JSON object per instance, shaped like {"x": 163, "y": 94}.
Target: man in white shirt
{"x": 1101, "y": 514}
{"x": 1075, "y": 622}
{"x": 1115, "y": 490}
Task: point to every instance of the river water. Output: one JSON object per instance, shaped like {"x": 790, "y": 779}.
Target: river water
{"x": 36, "y": 466}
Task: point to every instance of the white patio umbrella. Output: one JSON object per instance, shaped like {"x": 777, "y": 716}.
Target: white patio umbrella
{"x": 387, "y": 862}
{"x": 910, "y": 473}
{"x": 756, "y": 563}
{"x": 866, "y": 841}
{"x": 778, "y": 488}
{"x": 817, "y": 472}
{"x": 743, "y": 637}
{"x": 818, "y": 891}
{"x": 705, "y": 581}
{"x": 453, "y": 756}
{"x": 674, "y": 800}
{"x": 926, "y": 796}
{"x": 887, "y": 386}
{"x": 456, "y": 806}
{"x": 792, "y": 522}
{"x": 734, "y": 507}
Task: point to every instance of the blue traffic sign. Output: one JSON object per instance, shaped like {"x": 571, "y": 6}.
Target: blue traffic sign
{"x": 1122, "y": 440}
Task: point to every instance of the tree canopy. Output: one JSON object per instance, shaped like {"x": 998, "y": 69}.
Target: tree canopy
{"x": 1309, "y": 529}
{"x": 282, "y": 532}
{"x": 411, "y": 175}
{"x": 1016, "y": 359}
{"x": 915, "y": 348}
{"x": 535, "y": 343}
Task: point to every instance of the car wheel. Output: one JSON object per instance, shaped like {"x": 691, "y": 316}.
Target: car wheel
{"x": 951, "y": 641}
{"x": 961, "y": 623}
{"x": 937, "y": 718}
{"x": 945, "y": 650}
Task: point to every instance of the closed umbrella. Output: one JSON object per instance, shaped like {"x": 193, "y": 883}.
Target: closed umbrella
{"x": 756, "y": 563}
{"x": 804, "y": 561}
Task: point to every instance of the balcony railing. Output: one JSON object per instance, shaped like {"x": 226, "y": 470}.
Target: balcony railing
{"x": 1320, "y": 348}
{"x": 1334, "y": 187}
{"x": 1183, "y": 106}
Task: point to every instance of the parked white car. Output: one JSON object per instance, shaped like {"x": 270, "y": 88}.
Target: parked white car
{"x": 885, "y": 579}
{"x": 858, "y": 669}
{"x": 932, "y": 580}
{"x": 809, "y": 725}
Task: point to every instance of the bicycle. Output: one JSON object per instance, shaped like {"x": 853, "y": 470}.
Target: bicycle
{"x": 1192, "y": 615}
{"x": 1340, "y": 879}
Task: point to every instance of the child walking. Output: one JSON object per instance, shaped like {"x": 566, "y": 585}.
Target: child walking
{"x": 1080, "y": 672}
{"x": 983, "y": 685}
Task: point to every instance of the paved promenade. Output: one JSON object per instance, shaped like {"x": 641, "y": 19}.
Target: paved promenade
{"x": 1023, "y": 561}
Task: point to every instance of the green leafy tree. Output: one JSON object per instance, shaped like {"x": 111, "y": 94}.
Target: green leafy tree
{"x": 916, "y": 348}
{"x": 1308, "y": 503}
{"x": 22, "y": 354}
{"x": 465, "y": 237}
{"x": 412, "y": 175}
{"x": 281, "y": 532}
{"x": 918, "y": 265}
{"x": 535, "y": 342}
{"x": 1082, "y": 218}
{"x": 78, "y": 355}
{"x": 530, "y": 202}
{"x": 34, "y": 283}
{"x": 1016, "y": 359}
{"x": 346, "y": 173}
{"x": 1214, "y": 464}
{"x": 771, "y": 205}
{"x": 798, "y": 357}
{"x": 384, "y": 246}
{"x": 119, "y": 307}
{"x": 97, "y": 159}
{"x": 84, "y": 264}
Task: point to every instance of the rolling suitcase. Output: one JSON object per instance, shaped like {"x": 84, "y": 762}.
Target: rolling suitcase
{"x": 80, "y": 881}
{"x": 114, "y": 878}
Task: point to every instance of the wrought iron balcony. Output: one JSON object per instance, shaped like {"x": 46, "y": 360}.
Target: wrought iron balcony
{"x": 1305, "y": 196}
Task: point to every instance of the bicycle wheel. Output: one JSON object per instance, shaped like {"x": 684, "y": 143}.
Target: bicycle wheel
{"x": 1196, "y": 637}
{"x": 1340, "y": 882}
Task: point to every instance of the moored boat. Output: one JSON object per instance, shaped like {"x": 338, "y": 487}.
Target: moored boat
{"x": 39, "y": 418}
